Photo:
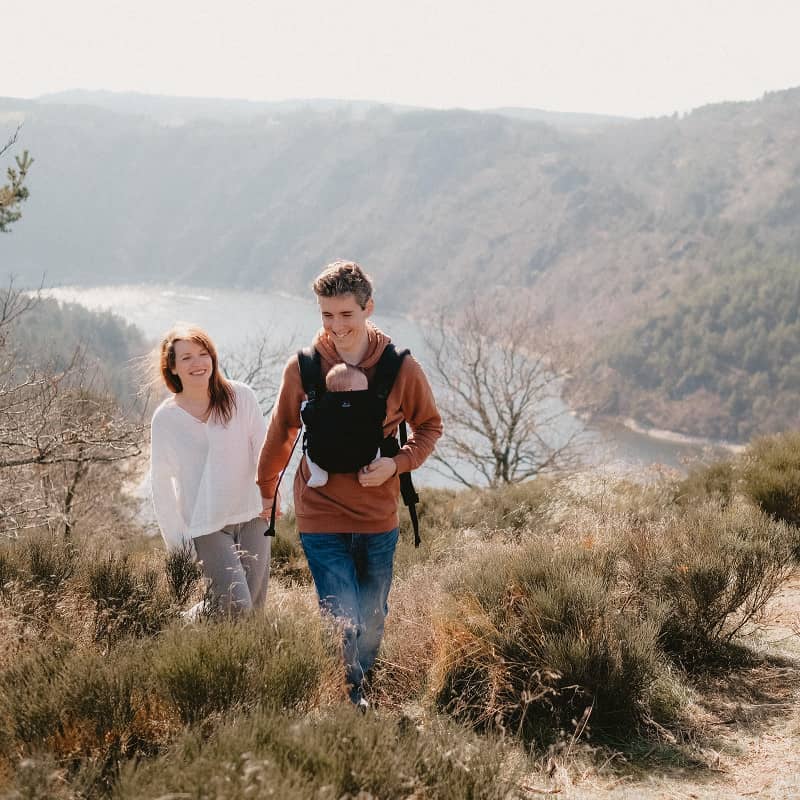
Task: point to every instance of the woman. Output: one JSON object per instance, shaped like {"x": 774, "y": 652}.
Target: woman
{"x": 206, "y": 438}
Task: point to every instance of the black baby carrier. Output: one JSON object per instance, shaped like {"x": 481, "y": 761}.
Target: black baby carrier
{"x": 343, "y": 431}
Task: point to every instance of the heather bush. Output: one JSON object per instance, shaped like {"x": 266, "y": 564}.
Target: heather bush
{"x": 287, "y": 661}
{"x": 337, "y": 755}
{"x": 452, "y": 521}
{"x": 710, "y": 570}
{"x": 49, "y": 560}
{"x": 771, "y": 476}
{"x": 92, "y": 711}
{"x": 716, "y": 481}
{"x": 183, "y": 573}
{"x": 535, "y": 641}
{"x": 129, "y": 600}
{"x": 78, "y": 705}
{"x": 515, "y": 508}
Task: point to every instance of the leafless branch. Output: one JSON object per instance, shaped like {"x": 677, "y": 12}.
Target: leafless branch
{"x": 499, "y": 377}
{"x": 12, "y": 140}
{"x": 259, "y": 363}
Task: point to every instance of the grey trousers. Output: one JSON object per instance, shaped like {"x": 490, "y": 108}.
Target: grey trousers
{"x": 236, "y": 562}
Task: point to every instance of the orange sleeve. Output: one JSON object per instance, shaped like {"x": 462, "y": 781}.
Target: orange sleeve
{"x": 284, "y": 424}
{"x": 418, "y": 407}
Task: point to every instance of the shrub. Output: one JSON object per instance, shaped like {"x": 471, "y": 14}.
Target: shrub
{"x": 8, "y": 570}
{"x": 339, "y": 755}
{"x": 450, "y": 519}
{"x": 772, "y": 476}
{"x": 77, "y": 704}
{"x": 535, "y": 641}
{"x": 515, "y": 508}
{"x": 51, "y": 560}
{"x": 711, "y": 570}
{"x": 128, "y": 599}
{"x": 36, "y": 573}
{"x": 401, "y": 672}
{"x": 716, "y": 481}
{"x": 287, "y": 557}
{"x": 90, "y": 710}
{"x": 284, "y": 662}
{"x": 183, "y": 573}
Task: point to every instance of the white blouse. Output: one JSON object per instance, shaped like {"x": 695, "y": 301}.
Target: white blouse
{"x": 203, "y": 473}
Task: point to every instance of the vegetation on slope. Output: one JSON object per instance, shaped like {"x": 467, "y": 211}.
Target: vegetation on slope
{"x": 571, "y": 608}
{"x": 722, "y": 360}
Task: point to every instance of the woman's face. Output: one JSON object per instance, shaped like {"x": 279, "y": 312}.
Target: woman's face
{"x": 193, "y": 364}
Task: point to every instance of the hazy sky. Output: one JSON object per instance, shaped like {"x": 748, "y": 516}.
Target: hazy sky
{"x": 631, "y": 57}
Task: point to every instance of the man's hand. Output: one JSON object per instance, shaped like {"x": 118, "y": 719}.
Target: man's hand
{"x": 266, "y": 507}
{"x": 378, "y": 472}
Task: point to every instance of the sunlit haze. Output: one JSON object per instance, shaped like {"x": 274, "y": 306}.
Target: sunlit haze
{"x": 622, "y": 57}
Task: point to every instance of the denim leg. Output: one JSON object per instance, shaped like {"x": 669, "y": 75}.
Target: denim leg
{"x": 374, "y": 557}
{"x": 330, "y": 560}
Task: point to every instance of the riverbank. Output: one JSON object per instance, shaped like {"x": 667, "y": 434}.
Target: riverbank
{"x": 662, "y": 435}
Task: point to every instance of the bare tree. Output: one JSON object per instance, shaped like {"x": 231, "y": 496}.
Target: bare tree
{"x": 258, "y": 362}
{"x": 498, "y": 376}
{"x": 56, "y": 431}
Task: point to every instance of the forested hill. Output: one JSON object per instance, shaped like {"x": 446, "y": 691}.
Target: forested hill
{"x": 608, "y": 226}
{"x": 51, "y": 337}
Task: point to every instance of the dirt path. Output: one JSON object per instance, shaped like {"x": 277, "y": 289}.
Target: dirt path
{"x": 751, "y": 724}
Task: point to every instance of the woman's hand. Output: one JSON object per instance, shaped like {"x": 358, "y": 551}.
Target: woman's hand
{"x": 266, "y": 507}
{"x": 378, "y": 472}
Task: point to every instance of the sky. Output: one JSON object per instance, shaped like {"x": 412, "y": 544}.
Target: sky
{"x": 624, "y": 57}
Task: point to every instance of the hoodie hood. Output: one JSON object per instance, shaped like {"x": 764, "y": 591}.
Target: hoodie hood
{"x": 377, "y": 341}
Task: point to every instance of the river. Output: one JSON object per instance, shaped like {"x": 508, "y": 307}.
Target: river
{"x": 233, "y": 317}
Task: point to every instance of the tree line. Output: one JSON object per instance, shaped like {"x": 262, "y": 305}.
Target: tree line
{"x": 721, "y": 360}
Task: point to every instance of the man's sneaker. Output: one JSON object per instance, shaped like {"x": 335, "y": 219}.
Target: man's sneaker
{"x": 363, "y": 704}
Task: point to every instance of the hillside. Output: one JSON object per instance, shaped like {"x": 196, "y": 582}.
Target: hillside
{"x": 721, "y": 361}
{"x": 605, "y": 229}
{"x": 47, "y": 337}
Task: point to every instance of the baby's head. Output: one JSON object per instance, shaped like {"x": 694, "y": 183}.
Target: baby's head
{"x": 345, "y": 378}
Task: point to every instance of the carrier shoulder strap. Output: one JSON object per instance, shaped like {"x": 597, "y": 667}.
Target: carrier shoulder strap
{"x": 310, "y": 365}
{"x": 407, "y": 490}
{"x": 386, "y": 370}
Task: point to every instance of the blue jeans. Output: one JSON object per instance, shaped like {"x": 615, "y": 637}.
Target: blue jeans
{"x": 353, "y": 574}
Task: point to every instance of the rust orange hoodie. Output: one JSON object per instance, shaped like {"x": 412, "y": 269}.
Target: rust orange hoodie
{"x": 343, "y": 505}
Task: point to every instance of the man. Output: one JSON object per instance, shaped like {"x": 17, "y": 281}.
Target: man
{"x": 349, "y": 527}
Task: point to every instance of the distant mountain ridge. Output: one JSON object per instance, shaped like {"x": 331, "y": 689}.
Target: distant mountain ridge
{"x": 604, "y": 229}
{"x": 171, "y": 110}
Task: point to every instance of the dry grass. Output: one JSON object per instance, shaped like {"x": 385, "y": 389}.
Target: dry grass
{"x": 400, "y": 676}
{"x": 734, "y": 728}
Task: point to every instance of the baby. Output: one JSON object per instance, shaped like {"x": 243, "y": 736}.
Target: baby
{"x": 340, "y": 378}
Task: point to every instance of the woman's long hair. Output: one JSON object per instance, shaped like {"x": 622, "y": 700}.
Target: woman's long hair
{"x": 221, "y": 397}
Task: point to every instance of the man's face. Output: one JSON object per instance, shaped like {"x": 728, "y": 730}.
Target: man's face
{"x": 345, "y": 320}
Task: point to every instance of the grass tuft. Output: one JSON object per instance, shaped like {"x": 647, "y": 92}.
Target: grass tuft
{"x": 337, "y": 755}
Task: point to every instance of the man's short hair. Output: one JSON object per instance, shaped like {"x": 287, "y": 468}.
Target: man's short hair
{"x": 344, "y": 277}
